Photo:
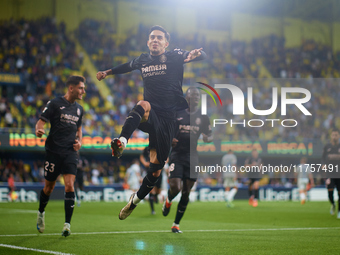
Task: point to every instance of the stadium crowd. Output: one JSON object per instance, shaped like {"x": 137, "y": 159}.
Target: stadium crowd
{"x": 45, "y": 56}
{"x": 240, "y": 65}
{"x": 42, "y": 53}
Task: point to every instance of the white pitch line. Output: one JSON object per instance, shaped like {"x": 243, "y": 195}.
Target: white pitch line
{"x": 18, "y": 210}
{"x": 31, "y": 249}
{"x": 166, "y": 231}
{"x": 261, "y": 229}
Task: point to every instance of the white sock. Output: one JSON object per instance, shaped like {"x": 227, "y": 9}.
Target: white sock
{"x": 135, "y": 200}
{"x": 231, "y": 195}
{"x": 226, "y": 193}
{"x": 123, "y": 141}
{"x": 175, "y": 225}
{"x": 302, "y": 196}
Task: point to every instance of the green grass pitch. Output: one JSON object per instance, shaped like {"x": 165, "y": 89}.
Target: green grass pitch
{"x": 208, "y": 228}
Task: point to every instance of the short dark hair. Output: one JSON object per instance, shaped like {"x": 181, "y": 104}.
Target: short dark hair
{"x": 335, "y": 130}
{"x": 167, "y": 35}
{"x": 75, "y": 80}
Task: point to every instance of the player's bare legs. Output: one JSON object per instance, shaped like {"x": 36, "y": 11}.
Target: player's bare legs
{"x": 147, "y": 185}
{"x": 147, "y": 107}
{"x": 49, "y": 187}
{"x": 175, "y": 187}
{"x": 139, "y": 113}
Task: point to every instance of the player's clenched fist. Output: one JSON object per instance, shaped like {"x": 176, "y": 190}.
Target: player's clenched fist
{"x": 77, "y": 145}
{"x": 39, "y": 132}
{"x": 101, "y": 75}
{"x": 193, "y": 54}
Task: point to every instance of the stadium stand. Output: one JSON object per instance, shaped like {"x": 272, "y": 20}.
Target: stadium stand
{"x": 43, "y": 52}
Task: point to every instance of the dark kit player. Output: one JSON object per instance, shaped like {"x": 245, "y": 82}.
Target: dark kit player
{"x": 79, "y": 182}
{"x": 253, "y": 187}
{"x": 331, "y": 156}
{"x": 162, "y": 73}
{"x": 153, "y": 195}
{"x": 65, "y": 116}
{"x": 191, "y": 125}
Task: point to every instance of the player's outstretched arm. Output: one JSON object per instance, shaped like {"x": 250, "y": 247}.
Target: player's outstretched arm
{"x": 196, "y": 55}
{"x": 39, "y": 128}
{"x": 124, "y": 68}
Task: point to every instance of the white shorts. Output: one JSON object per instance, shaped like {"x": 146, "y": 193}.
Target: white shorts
{"x": 229, "y": 182}
{"x": 302, "y": 183}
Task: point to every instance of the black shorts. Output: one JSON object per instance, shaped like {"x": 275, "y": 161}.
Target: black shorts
{"x": 161, "y": 132}
{"x": 335, "y": 182}
{"x": 182, "y": 171}
{"x": 56, "y": 164}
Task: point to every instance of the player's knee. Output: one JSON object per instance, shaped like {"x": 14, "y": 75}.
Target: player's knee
{"x": 48, "y": 190}
{"x": 139, "y": 110}
{"x": 69, "y": 187}
{"x": 145, "y": 104}
{"x": 175, "y": 187}
{"x": 143, "y": 109}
